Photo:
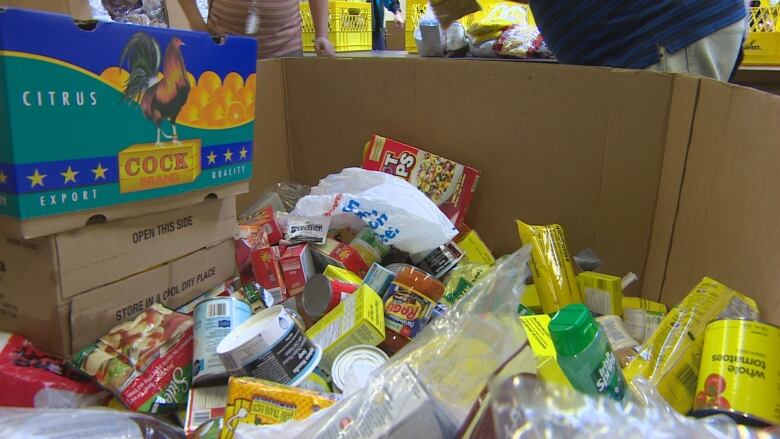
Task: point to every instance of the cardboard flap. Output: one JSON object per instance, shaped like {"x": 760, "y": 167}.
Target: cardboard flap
{"x": 727, "y": 222}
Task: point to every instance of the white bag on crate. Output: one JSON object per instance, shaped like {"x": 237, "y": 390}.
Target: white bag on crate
{"x": 398, "y": 212}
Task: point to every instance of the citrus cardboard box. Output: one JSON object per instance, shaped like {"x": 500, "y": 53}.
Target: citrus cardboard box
{"x": 672, "y": 177}
{"x": 80, "y": 136}
{"x": 46, "y": 304}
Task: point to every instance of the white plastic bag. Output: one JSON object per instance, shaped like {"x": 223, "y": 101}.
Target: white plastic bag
{"x": 395, "y": 210}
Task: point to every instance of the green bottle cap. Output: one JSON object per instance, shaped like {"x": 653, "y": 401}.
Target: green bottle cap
{"x": 572, "y": 329}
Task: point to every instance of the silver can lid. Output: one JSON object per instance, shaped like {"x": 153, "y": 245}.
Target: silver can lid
{"x": 353, "y": 367}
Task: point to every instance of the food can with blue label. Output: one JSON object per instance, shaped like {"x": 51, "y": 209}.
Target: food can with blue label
{"x": 214, "y": 319}
{"x": 270, "y": 346}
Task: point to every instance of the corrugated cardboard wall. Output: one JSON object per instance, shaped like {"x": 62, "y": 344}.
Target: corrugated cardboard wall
{"x": 727, "y": 225}
{"x": 579, "y": 146}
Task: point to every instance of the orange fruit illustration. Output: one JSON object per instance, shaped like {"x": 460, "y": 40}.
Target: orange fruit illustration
{"x": 209, "y": 81}
{"x": 234, "y": 82}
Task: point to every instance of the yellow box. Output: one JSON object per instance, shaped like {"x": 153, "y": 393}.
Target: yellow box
{"x": 358, "y": 319}
{"x": 531, "y": 299}
{"x": 603, "y": 293}
{"x": 149, "y": 166}
{"x": 544, "y": 351}
{"x": 642, "y": 317}
{"x": 258, "y": 402}
{"x": 475, "y": 249}
{"x": 333, "y": 272}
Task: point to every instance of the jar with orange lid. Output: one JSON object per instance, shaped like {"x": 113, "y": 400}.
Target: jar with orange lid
{"x": 410, "y": 302}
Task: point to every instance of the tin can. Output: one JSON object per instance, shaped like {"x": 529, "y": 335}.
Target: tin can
{"x": 353, "y": 367}
{"x": 270, "y": 346}
{"x": 740, "y": 372}
{"x": 368, "y": 245}
{"x": 322, "y": 294}
{"x": 379, "y": 279}
{"x": 317, "y": 381}
{"x": 214, "y": 319}
{"x": 439, "y": 261}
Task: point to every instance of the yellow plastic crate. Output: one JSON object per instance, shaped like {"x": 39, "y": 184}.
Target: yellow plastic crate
{"x": 415, "y": 9}
{"x": 349, "y": 26}
{"x": 762, "y": 46}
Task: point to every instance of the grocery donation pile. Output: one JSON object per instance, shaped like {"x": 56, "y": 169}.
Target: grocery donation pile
{"x": 501, "y": 30}
{"x": 365, "y": 307}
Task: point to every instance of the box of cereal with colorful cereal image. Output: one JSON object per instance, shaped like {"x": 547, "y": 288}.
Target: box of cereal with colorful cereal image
{"x": 448, "y": 184}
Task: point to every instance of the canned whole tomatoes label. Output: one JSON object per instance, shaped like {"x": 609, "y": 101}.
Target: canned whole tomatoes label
{"x": 740, "y": 371}
{"x": 406, "y": 311}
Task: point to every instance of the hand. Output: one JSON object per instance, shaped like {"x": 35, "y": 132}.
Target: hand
{"x": 399, "y": 20}
{"x": 323, "y": 47}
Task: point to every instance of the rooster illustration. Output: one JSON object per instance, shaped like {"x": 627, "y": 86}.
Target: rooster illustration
{"x": 160, "y": 98}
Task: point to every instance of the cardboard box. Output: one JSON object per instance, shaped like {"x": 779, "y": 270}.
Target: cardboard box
{"x": 358, "y": 319}
{"x": 64, "y": 326}
{"x": 297, "y": 267}
{"x": 670, "y": 176}
{"x": 268, "y": 273}
{"x": 83, "y": 259}
{"x": 70, "y": 146}
{"x": 338, "y": 254}
{"x": 448, "y": 184}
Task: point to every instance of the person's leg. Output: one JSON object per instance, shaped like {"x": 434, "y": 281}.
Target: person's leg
{"x": 714, "y": 56}
{"x": 378, "y": 38}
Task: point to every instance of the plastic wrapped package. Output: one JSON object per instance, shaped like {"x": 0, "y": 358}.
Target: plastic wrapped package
{"x": 144, "y": 12}
{"x": 396, "y": 211}
{"x": 432, "y": 383}
{"x": 522, "y": 41}
{"x": 82, "y": 424}
{"x": 457, "y": 44}
{"x": 31, "y": 378}
{"x": 525, "y": 407}
{"x": 430, "y": 38}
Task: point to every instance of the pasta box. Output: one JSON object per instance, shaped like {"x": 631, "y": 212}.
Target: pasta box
{"x": 448, "y": 184}
{"x": 81, "y": 137}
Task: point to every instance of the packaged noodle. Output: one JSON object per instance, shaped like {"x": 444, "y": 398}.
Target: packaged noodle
{"x": 145, "y": 362}
{"x": 258, "y": 402}
{"x": 670, "y": 359}
{"x": 551, "y": 266}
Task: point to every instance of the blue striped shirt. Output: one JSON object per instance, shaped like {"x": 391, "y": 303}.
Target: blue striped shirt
{"x": 628, "y": 33}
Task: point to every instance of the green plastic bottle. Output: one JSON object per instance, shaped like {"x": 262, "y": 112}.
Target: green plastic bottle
{"x": 584, "y": 353}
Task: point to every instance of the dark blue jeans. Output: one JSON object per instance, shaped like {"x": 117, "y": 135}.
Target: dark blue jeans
{"x": 378, "y": 38}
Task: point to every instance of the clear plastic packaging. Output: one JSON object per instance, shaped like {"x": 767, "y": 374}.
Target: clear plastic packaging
{"x": 431, "y": 384}
{"x": 525, "y": 407}
{"x": 83, "y": 424}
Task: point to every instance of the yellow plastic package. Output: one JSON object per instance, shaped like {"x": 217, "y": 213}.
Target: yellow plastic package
{"x": 258, "y": 402}
{"x": 551, "y": 266}
{"x": 670, "y": 359}
{"x": 462, "y": 279}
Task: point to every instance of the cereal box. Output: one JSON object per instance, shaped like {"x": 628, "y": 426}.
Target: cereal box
{"x": 448, "y": 184}
{"x": 297, "y": 267}
{"x": 80, "y": 133}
